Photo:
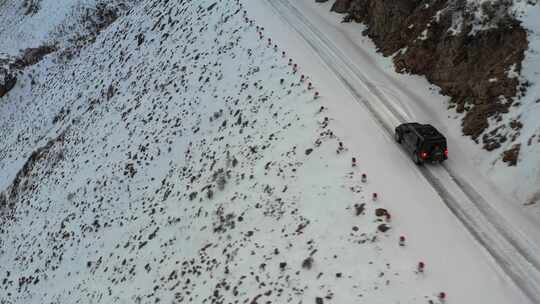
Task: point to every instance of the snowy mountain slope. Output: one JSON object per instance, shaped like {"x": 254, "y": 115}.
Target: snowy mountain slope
{"x": 525, "y": 180}
{"x": 28, "y": 23}
{"x": 167, "y": 162}
{"x": 34, "y": 23}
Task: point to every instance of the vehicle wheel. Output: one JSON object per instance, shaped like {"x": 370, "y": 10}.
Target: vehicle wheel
{"x": 417, "y": 160}
{"x": 397, "y": 136}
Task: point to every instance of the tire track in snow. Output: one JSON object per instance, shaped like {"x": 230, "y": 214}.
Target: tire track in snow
{"x": 512, "y": 251}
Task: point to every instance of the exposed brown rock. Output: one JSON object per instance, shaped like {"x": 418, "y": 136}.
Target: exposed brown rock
{"x": 9, "y": 66}
{"x": 381, "y": 212}
{"x": 32, "y": 56}
{"x": 511, "y": 156}
{"x": 383, "y": 228}
{"x": 470, "y": 68}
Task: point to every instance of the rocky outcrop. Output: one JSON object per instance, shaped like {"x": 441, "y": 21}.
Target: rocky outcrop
{"x": 31, "y": 7}
{"x": 8, "y": 77}
{"x": 32, "y": 56}
{"x": 341, "y": 6}
{"x": 473, "y": 60}
{"x": 44, "y": 158}
{"x": 9, "y": 66}
{"x": 511, "y": 156}
{"x": 7, "y": 82}
{"x": 94, "y": 21}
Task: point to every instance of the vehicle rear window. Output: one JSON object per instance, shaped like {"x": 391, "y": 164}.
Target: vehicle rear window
{"x": 434, "y": 145}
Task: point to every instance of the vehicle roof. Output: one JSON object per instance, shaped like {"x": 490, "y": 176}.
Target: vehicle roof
{"x": 427, "y": 131}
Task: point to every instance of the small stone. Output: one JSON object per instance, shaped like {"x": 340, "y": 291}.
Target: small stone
{"x": 383, "y": 228}
{"x": 381, "y": 212}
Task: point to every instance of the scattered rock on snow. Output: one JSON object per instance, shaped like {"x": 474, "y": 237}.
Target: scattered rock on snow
{"x": 381, "y": 212}
{"x": 307, "y": 263}
{"x": 383, "y": 228}
{"x": 511, "y": 156}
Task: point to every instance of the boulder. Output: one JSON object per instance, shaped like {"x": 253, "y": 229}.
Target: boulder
{"x": 341, "y": 6}
{"x": 8, "y": 77}
{"x": 381, "y": 212}
{"x": 510, "y": 157}
{"x": 383, "y": 228}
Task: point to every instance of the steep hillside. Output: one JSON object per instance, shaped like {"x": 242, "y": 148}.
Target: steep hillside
{"x": 169, "y": 157}
{"x": 178, "y": 156}
{"x": 34, "y": 23}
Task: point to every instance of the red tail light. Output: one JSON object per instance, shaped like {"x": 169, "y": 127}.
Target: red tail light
{"x": 446, "y": 152}
{"x": 423, "y": 154}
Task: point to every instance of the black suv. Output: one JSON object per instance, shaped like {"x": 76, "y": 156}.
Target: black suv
{"x": 424, "y": 142}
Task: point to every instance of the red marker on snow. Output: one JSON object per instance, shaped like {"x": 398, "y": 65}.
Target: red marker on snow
{"x": 375, "y": 196}
{"x": 302, "y": 78}
{"x": 340, "y": 147}
{"x": 364, "y": 177}
{"x": 421, "y": 267}
{"x": 442, "y": 296}
{"x": 402, "y": 241}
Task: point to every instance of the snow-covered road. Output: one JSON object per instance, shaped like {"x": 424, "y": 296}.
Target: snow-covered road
{"x": 515, "y": 253}
{"x": 179, "y": 158}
